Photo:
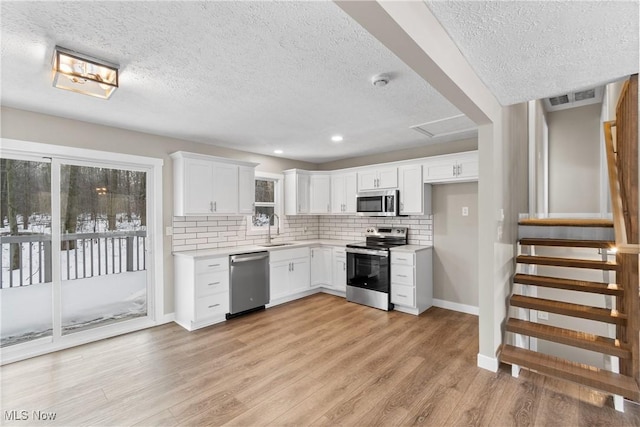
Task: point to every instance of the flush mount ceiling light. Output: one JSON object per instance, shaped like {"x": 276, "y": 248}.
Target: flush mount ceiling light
{"x": 278, "y": 151}
{"x": 337, "y": 138}
{"x": 84, "y": 74}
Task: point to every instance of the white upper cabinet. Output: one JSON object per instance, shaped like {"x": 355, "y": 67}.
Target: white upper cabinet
{"x": 320, "y": 194}
{"x": 378, "y": 178}
{"x": 246, "y": 189}
{"x": 343, "y": 193}
{"x": 411, "y": 190}
{"x": 451, "y": 168}
{"x": 207, "y": 185}
{"x": 296, "y": 192}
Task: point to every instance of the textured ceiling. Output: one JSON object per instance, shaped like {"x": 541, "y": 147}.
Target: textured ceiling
{"x": 526, "y": 50}
{"x": 254, "y": 76}
{"x": 260, "y": 76}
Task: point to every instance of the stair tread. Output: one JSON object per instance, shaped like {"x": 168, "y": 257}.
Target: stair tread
{"x": 567, "y": 262}
{"x": 569, "y": 284}
{"x": 569, "y": 337}
{"x": 567, "y": 222}
{"x": 582, "y": 374}
{"x": 569, "y": 309}
{"x": 570, "y": 243}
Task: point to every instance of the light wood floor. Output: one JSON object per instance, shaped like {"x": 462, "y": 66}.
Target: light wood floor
{"x": 315, "y": 361}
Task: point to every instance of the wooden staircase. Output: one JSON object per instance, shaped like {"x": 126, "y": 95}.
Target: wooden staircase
{"x": 590, "y": 376}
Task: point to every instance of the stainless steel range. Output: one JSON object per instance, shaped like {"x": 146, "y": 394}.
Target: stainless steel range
{"x": 368, "y": 266}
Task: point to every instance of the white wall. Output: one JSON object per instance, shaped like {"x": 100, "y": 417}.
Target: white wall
{"x": 574, "y": 160}
{"x": 35, "y": 127}
{"x": 455, "y": 241}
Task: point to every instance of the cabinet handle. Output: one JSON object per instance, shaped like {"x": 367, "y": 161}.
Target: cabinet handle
{"x": 213, "y": 283}
{"x": 328, "y": 208}
{"x": 344, "y": 266}
{"x": 454, "y": 170}
{"x": 211, "y": 206}
{"x": 403, "y": 296}
{"x": 459, "y": 169}
{"x": 402, "y": 259}
{"x": 312, "y": 253}
{"x": 293, "y": 266}
{"x": 401, "y": 206}
{"x": 401, "y": 275}
{"x": 215, "y": 206}
{"x": 299, "y": 207}
{"x": 213, "y": 265}
{"x": 214, "y": 305}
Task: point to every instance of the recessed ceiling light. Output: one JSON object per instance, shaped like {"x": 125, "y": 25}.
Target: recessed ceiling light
{"x": 337, "y": 138}
{"x": 278, "y": 151}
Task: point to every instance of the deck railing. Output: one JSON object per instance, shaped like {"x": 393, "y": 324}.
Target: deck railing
{"x": 83, "y": 255}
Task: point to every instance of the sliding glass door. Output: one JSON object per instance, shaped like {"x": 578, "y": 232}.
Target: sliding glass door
{"x": 75, "y": 249}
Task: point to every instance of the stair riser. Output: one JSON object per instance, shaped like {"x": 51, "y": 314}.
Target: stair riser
{"x": 568, "y": 233}
{"x": 564, "y": 243}
{"x": 593, "y": 265}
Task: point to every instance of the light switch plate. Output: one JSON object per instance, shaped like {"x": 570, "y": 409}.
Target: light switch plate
{"x": 543, "y": 315}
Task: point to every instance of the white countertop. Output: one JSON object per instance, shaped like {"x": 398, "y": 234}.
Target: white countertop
{"x": 411, "y": 248}
{"x": 207, "y": 253}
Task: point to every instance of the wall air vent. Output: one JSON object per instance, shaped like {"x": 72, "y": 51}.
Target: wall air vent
{"x": 574, "y": 99}
{"x": 448, "y": 126}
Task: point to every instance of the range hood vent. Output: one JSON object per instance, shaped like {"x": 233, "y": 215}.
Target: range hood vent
{"x": 574, "y": 99}
{"x": 447, "y": 126}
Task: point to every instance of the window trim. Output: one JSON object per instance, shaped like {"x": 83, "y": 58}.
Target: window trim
{"x": 278, "y": 202}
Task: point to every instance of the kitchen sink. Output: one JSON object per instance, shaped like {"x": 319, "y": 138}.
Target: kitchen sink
{"x": 270, "y": 245}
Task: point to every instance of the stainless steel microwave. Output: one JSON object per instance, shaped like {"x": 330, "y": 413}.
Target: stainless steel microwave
{"x": 378, "y": 203}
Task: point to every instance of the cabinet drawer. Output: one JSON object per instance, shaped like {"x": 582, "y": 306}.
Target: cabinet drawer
{"x": 403, "y": 295}
{"x": 403, "y": 258}
{"x": 212, "y": 305}
{"x": 212, "y": 264}
{"x": 288, "y": 254}
{"x": 212, "y": 283}
{"x": 402, "y": 274}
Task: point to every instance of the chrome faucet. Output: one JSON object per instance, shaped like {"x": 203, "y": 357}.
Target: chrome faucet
{"x": 273, "y": 216}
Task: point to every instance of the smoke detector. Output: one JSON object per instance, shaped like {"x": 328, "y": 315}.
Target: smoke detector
{"x": 380, "y": 80}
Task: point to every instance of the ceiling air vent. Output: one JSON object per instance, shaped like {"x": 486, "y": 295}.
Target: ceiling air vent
{"x": 447, "y": 126}
{"x": 559, "y": 100}
{"x": 574, "y": 99}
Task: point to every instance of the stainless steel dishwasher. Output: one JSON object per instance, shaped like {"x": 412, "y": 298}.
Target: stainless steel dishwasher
{"x": 249, "y": 282}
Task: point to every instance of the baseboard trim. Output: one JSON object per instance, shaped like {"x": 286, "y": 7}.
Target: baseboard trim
{"x": 455, "y": 306}
{"x": 488, "y": 363}
{"x": 167, "y": 318}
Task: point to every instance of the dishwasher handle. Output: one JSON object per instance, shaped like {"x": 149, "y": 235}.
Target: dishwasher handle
{"x": 237, "y": 259}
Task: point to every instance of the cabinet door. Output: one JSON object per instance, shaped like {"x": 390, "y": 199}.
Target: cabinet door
{"x": 350, "y": 192}
{"x": 246, "y": 189}
{"x": 338, "y": 199}
{"x": 411, "y": 190}
{"x": 367, "y": 180}
{"x": 388, "y": 178}
{"x": 468, "y": 167}
{"x": 340, "y": 272}
{"x": 439, "y": 170}
{"x": 279, "y": 279}
{"x": 198, "y": 184}
{"x": 302, "y": 193}
{"x": 317, "y": 265}
{"x": 320, "y": 194}
{"x": 299, "y": 280}
{"x": 225, "y": 189}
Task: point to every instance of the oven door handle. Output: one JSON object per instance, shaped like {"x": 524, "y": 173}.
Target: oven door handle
{"x": 367, "y": 252}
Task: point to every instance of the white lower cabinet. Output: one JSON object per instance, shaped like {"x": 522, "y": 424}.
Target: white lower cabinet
{"x": 288, "y": 273}
{"x": 412, "y": 280}
{"x": 321, "y": 266}
{"x": 201, "y": 291}
{"x": 339, "y": 269}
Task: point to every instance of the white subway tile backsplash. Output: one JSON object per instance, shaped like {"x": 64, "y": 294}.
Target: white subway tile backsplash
{"x": 228, "y": 231}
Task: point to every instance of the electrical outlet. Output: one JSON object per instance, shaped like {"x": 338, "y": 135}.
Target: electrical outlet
{"x": 543, "y": 315}
{"x": 465, "y": 211}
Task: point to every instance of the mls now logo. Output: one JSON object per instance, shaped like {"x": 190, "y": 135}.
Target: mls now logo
{"x": 26, "y": 415}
